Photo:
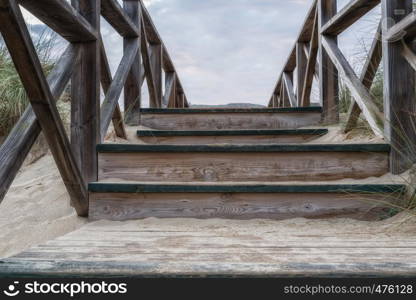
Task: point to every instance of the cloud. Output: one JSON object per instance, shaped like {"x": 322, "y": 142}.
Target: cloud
{"x": 225, "y": 51}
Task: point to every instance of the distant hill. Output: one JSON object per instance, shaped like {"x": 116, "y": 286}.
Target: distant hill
{"x": 229, "y": 105}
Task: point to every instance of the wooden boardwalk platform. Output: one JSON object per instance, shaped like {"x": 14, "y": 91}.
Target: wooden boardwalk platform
{"x": 259, "y": 248}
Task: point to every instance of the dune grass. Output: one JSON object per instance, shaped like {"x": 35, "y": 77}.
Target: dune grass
{"x": 13, "y": 98}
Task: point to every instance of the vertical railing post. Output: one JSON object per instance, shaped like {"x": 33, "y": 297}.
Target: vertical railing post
{"x": 399, "y": 92}
{"x": 156, "y": 53}
{"x": 170, "y": 89}
{"x": 85, "y": 96}
{"x": 132, "y": 88}
{"x": 301, "y": 63}
{"x": 328, "y": 74}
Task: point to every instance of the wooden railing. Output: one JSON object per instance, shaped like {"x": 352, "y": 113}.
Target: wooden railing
{"x": 85, "y": 64}
{"x": 316, "y": 54}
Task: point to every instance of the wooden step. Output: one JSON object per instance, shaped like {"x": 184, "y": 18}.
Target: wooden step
{"x": 201, "y": 137}
{"x": 230, "y": 119}
{"x": 241, "y": 163}
{"x": 126, "y": 201}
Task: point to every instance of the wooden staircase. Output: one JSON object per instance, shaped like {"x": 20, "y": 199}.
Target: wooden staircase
{"x": 238, "y": 163}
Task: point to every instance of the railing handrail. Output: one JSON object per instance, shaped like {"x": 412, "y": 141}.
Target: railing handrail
{"x": 390, "y": 46}
{"x": 86, "y": 64}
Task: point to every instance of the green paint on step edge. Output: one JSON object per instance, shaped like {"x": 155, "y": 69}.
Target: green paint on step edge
{"x": 133, "y": 148}
{"x": 172, "y": 133}
{"x": 99, "y": 187}
{"x": 15, "y": 268}
{"x": 316, "y": 109}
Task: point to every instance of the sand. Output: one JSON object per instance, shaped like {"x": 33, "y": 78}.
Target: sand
{"x": 36, "y": 209}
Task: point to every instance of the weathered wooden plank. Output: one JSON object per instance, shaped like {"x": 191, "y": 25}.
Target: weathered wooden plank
{"x": 20, "y": 140}
{"x": 285, "y": 97}
{"x": 85, "y": 97}
{"x": 409, "y": 55}
{"x": 148, "y": 70}
{"x": 360, "y": 93}
{"x": 328, "y": 74}
{"x": 242, "y": 206}
{"x": 106, "y": 80}
{"x": 103, "y": 253}
{"x": 65, "y": 20}
{"x": 133, "y": 148}
{"x": 119, "y": 19}
{"x": 155, "y": 51}
{"x": 187, "y": 248}
{"x": 152, "y": 35}
{"x": 404, "y": 28}
{"x": 184, "y": 163}
{"x": 133, "y": 87}
{"x": 114, "y": 92}
{"x": 219, "y": 120}
{"x": 270, "y": 132}
{"x": 170, "y": 89}
{"x": 399, "y": 92}
{"x": 301, "y": 65}
{"x": 310, "y": 109}
{"x": 135, "y": 188}
{"x": 311, "y": 65}
{"x": 287, "y": 79}
{"x": 145, "y": 242}
{"x": 348, "y": 15}
{"x": 367, "y": 77}
{"x": 194, "y": 137}
{"x": 386, "y": 267}
{"x": 23, "y": 53}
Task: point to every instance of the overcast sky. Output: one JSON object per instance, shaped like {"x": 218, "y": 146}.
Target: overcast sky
{"x": 230, "y": 50}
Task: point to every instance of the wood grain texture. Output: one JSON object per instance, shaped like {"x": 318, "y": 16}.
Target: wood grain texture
{"x": 155, "y": 51}
{"x": 135, "y": 148}
{"x": 402, "y": 29}
{"x": 119, "y": 19}
{"x": 301, "y": 64}
{"x": 368, "y": 73}
{"x": 399, "y": 93}
{"x": 148, "y": 70}
{"x": 106, "y": 80}
{"x": 64, "y": 20}
{"x": 163, "y": 248}
{"x": 296, "y": 188}
{"x": 217, "y": 120}
{"x": 310, "y": 109}
{"x": 288, "y": 82}
{"x": 20, "y": 140}
{"x": 232, "y": 166}
{"x": 348, "y": 15}
{"x": 170, "y": 90}
{"x": 328, "y": 73}
{"x": 236, "y": 139}
{"x": 133, "y": 86}
{"x": 116, "y": 87}
{"x": 228, "y": 136}
{"x": 85, "y": 96}
{"x": 281, "y": 132}
{"x": 409, "y": 55}
{"x": 277, "y": 206}
{"x": 311, "y": 66}
{"x": 359, "y": 92}
{"x": 23, "y": 54}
